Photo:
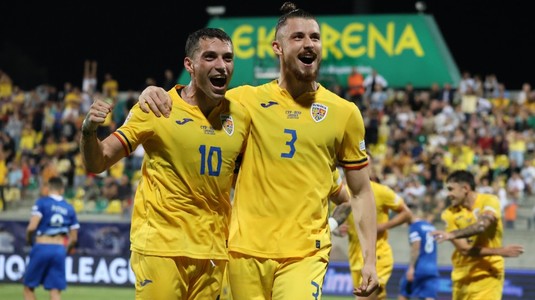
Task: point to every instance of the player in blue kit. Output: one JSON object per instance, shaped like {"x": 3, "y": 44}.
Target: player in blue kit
{"x": 421, "y": 279}
{"x": 54, "y": 222}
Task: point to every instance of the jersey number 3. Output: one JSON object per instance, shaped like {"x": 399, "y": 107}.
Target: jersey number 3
{"x": 290, "y": 143}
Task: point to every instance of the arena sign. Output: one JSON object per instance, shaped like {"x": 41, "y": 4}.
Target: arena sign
{"x": 402, "y": 48}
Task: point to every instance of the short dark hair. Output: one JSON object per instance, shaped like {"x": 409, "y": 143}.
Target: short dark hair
{"x": 192, "y": 43}
{"x": 56, "y": 183}
{"x": 462, "y": 176}
{"x": 289, "y": 10}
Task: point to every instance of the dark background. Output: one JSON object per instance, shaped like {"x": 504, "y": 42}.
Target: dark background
{"x": 48, "y": 41}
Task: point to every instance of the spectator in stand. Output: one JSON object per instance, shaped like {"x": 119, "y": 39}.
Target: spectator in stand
{"x": 124, "y": 188}
{"x": 516, "y": 186}
{"x": 466, "y": 82}
{"x": 89, "y": 81}
{"x": 414, "y": 192}
{"x": 478, "y": 86}
{"x": 14, "y": 128}
{"x": 149, "y": 81}
{"x": 517, "y": 147}
{"x": 110, "y": 87}
{"x": 528, "y": 176}
{"x": 490, "y": 85}
{"x": 72, "y": 101}
{"x": 169, "y": 80}
{"x": 498, "y": 189}
{"x": 434, "y": 91}
{"x": 411, "y": 97}
{"x": 500, "y": 146}
{"x": 523, "y": 95}
{"x": 372, "y": 79}
{"x": 484, "y": 186}
{"x": 501, "y": 99}
{"x": 355, "y": 88}
{"x": 469, "y": 101}
{"x": 6, "y": 85}
{"x": 510, "y": 213}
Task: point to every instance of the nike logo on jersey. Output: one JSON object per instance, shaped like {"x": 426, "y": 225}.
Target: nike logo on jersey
{"x": 184, "y": 121}
{"x": 145, "y": 282}
{"x": 270, "y": 103}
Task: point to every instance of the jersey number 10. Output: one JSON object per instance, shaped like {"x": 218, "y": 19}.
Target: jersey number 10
{"x": 207, "y": 160}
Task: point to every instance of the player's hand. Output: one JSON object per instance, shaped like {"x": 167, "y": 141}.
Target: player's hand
{"x": 513, "y": 250}
{"x": 98, "y": 111}
{"x": 155, "y": 99}
{"x": 441, "y": 236}
{"x": 370, "y": 281}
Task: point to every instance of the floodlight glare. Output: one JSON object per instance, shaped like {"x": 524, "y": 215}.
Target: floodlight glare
{"x": 420, "y": 6}
{"x": 215, "y": 11}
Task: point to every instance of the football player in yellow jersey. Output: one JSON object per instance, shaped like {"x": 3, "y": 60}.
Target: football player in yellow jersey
{"x": 182, "y": 206}
{"x": 386, "y": 201}
{"x": 474, "y": 226}
{"x": 279, "y": 234}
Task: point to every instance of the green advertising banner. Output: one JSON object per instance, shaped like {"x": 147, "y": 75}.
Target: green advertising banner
{"x": 402, "y": 48}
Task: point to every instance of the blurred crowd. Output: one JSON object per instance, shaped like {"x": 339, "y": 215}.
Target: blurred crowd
{"x": 416, "y": 135}
{"x": 40, "y": 132}
{"x": 419, "y": 136}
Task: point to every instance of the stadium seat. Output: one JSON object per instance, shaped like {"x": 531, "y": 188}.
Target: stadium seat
{"x": 78, "y": 205}
{"x": 114, "y": 207}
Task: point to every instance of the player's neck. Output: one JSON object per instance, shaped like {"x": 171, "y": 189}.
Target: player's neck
{"x": 188, "y": 94}
{"x": 296, "y": 87}
{"x": 470, "y": 200}
{"x": 196, "y": 97}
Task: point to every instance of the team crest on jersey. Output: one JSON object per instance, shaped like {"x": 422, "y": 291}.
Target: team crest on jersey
{"x": 318, "y": 111}
{"x": 228, "y": 124}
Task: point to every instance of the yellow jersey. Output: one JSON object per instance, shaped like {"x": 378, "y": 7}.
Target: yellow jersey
{"x": 385, "y": 201}
{"x": 459, "y": 217}
{"x": 280, "y": 204}
{"x": 182, "y": 202}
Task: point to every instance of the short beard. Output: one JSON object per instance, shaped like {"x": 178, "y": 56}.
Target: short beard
{"x": 305, "y": 77}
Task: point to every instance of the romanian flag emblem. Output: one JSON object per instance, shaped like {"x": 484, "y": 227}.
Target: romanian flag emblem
{"x": 228, "y": 124}
{"x": 318, "y": 111}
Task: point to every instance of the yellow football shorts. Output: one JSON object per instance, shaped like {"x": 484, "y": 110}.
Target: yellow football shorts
{"x": 255, "y": 278}
{"x": 171, "y": 278}
{"x": 483, "y": 288}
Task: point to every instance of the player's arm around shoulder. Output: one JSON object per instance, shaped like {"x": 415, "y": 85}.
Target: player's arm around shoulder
{"x": 156, "y": 100}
